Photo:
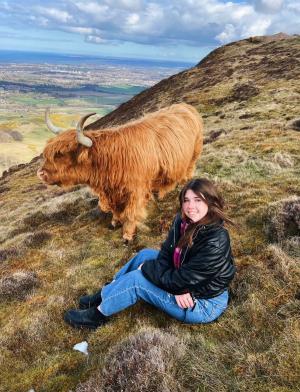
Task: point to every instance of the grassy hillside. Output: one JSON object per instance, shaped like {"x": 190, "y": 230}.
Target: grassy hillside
{"x": 55, "y": 247}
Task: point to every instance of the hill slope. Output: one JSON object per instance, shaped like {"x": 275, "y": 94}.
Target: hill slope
{"x": 55, "y": 247}
{"x": 237, "y": 78}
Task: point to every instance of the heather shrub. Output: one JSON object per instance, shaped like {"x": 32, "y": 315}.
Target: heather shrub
{"x": 35, "y": 240}
{"x": 143, "y": 362}
{"x": 18, "y": 285}
{"x": 282, "y": 219}
{"x": 8, "y": 253}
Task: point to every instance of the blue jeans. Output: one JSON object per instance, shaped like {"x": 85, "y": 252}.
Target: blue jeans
{"x": 130, "y": 285}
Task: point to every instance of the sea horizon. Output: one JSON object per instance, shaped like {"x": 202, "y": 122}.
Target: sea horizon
{"x": 25, "y": 57}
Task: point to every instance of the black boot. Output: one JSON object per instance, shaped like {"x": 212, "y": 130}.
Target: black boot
{"x": 88, "y": 301}
{"x": 90, "y": 318}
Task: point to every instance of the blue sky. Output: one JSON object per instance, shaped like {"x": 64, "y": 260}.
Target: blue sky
{"x": 174, "y": 30}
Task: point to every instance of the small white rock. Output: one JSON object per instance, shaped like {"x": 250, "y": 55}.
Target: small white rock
{"x": 82, "y": 347}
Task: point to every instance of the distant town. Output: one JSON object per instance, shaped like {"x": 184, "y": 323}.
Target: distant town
{"x": 71, "y": 86}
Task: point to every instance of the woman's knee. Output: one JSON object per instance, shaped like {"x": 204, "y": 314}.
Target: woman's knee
{"x": 147, "y": 254}
{"x": 198, "y": 316}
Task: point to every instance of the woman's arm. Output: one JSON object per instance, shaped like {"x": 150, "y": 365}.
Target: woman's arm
{"x": 202, "y": 266}
{"x": 199, "y": 270}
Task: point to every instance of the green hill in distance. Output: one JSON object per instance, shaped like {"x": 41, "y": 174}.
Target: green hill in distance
{"x": 54, "y": 247}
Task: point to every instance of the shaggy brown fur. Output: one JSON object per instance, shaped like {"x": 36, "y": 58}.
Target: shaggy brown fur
{"x": 127, "y": 163}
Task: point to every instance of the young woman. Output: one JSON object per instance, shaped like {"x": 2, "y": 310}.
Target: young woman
{"x": 188, "y": 278}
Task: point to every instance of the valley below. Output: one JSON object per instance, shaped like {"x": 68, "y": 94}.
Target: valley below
{"x": 71, "y": 88}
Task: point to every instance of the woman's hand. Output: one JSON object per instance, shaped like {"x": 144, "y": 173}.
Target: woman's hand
{"x": 184, "y": 301}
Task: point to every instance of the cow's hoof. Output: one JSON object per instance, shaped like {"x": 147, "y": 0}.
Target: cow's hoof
{"x": 115, "y": 224}
{"x": 128, "y": 239}
{"x": 127, "y": 242}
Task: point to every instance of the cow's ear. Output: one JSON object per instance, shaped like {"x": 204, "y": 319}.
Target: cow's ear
{"x": 83, "y": 155}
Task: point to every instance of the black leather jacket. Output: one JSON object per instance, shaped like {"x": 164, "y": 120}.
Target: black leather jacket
{"x": 206, "y": 267}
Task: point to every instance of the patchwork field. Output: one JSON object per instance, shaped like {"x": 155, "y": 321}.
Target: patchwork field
{"x": 70, "y": 90}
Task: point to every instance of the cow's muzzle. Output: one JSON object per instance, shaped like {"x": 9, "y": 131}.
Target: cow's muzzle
{"x": 43, "y": 175}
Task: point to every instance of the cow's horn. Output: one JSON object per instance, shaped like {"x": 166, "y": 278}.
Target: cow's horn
{"x": 50, "y": 126}
{"x": 84, "y": 140}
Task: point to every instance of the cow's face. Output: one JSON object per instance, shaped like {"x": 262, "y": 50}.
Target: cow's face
{"x": 65, "y": 161}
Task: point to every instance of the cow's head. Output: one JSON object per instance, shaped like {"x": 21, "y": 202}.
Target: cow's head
{"x": 67, "y": 158}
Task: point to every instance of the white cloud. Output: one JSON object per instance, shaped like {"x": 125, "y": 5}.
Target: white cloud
{"x": 130, "y": 5}
{"x": 164, "y": 22}
{"x": 268, "y": 6}
{"x": 294, "y": 6}
{"x": 132, "y": 19}
{"x": 260, "y": 27}
{"x": 92, "y": 8}
{"x": 80, "y": 30}
{"x": 55, "y": 14}
{"x": 94, "y": 39}
{"x": 227, "y": 35}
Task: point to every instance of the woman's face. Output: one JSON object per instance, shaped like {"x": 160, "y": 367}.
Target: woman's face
{"x": 194, "y": 207}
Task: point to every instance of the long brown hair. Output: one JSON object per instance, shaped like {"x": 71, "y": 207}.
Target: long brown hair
{"x": 207, "y": 192}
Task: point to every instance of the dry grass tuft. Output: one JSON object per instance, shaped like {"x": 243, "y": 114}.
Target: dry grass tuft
{"x": 282, "y": 219}
{"x": 285, "y": 267}
{"x": 38, "y": 239}
{"x": 62, "y": 209}
{"x": 292, "y": 246}
{"x": 204, "y": 368}
{"x": 247, "y": 281}
{"x": 283, "y": 159}
{"x": 18, "y": 285}
{"x": 143, "y": 362}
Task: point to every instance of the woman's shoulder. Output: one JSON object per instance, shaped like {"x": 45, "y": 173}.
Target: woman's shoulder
{"x": 214, "y": 233}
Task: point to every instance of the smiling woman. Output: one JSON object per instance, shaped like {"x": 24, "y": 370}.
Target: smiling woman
{"x": 188, "y": 278}
{"x": 194, "y": 207}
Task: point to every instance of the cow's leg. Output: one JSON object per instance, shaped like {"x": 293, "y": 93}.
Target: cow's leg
{"x": 191, "y": 167}
{"x": 116, "y": 219}
{"x": 129, "y": 228}
{"x": 103, "y": 202}
{"x": 164, "y": 189}
{"x": 104, "y": 207}
{"x": 134, "y": 212}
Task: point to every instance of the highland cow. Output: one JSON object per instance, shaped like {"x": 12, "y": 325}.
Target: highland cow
{"x": 124, "y": 165}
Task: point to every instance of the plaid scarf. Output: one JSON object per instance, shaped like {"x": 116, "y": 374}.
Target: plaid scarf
{"x": 177, "y": 251}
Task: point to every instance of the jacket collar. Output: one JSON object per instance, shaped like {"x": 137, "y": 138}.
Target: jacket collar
{"x": 202, "y": 228}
